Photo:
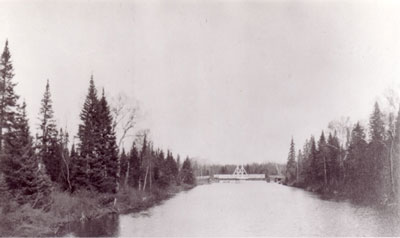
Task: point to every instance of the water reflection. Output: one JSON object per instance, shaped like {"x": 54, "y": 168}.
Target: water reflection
{"x": 106, "y": 226}
{"x": 248, "y": 209}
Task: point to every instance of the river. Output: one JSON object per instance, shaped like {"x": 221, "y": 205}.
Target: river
{"x": 247, "y": 208}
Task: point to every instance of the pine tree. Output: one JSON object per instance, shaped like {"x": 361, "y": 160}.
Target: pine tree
{"x": 170, "y": 169}
{"x": 87, "y": 171}
{"x": 321, "y": 165}
{"x": 357, "y": 183}
{"x": 124, "y": 166}
{"x": 333, "y": 160}
{"x": 312, "y": 170}
{"x": 25, "y": 178}
{"x": 144, "y": 163}
{"x": 299, "y": 167}
{"x": 291, "y": 166}
{"x": 187, "y": 172}
{"x": 158, "y": 163}
{"x": 134, "y": 167}
{"x": 8, "y": 99}
{"x": 178, "y": 162}
{"x": 73, "y": 152}
{"x": 65, "y": 159}
{"x": 106, "y": 148}
{"x": 305, "y": 163}
{"x": 378, "y": 164}
{"x": 79, "y": 167}
{"x": 49, "y": 148}
{"x": 163, "y": 179}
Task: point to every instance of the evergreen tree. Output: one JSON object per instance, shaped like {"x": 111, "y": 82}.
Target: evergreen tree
{"x": 333, "y": 160}
{"x": 65, "y": 159}
{"x": 169, "y": 170}
{"x": 312, "y": 169}
{"x": 187, "y": 172}
{"x": 87, "y": 171}
{"x": 158, "y": 163}
{"x": 291, "y": 166}
{"x": 299, "y": 167}
{"x": 134, "y": 167}
{"x": 8, "y": 99}
{"x": 178, "y": 162}
{"x": 124, "y": 166}
{"x": 321, "y": 164}
{"x": 377, "y": 157}
{"x": 305, "y": 163}
{"x": 106, "y": 148}
{"x": 25, "y": 177}
{"x": 73, "y": 151}
{"x": 357, "y": 183}
{"x": 144, "y": 162}
{"x": 49, "y": 148}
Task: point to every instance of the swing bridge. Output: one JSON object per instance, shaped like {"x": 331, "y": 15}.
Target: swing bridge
{"x": 239, "y": 174}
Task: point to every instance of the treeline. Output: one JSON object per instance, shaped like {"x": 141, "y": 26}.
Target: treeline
{"x": 253, "y": 168}
{"x": 363, "y": 166}
{"x": 31, "y": 167}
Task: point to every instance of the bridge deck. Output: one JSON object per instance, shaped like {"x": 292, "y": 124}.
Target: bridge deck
{"x": 239, "y": 177}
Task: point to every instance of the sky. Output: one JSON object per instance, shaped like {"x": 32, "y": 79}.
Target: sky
{"x": 223, "y": 81}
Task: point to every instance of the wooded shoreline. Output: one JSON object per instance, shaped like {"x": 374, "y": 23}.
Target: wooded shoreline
{"x": 82, "y": 207}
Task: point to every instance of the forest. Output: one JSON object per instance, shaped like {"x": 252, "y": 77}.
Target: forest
{"x": 45, "y": 181}
{"x": 354, "y": 161}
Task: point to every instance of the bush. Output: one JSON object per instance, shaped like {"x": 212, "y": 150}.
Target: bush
{"x": 80, "y": 205}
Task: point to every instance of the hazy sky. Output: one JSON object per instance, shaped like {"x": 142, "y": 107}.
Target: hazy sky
{"x": 226, "y": 81}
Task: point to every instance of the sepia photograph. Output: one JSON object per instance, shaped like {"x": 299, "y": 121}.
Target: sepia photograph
{"x": 199, "y": 118}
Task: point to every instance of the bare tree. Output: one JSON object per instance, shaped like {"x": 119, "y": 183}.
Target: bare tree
{"x": 342, "y": 128}
{"x": 391, "y": 102}
{"x": 125, "y": 114}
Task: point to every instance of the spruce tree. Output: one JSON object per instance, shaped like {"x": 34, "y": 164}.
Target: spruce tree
{"x": 87, "y": 170}
{"x": 106, "y": 148}
{"x": 79, "y": 174}
{"x": 49, "y": 148}
{"x": 65, "y": 159}
{"x": 170, "y": 169}
{"x": 378, "y": 163}
{"x": 357, "y": 182}
{"x": 124, "y": 166}
{"x": 312, "y": 170}
{"x": 305, "y": 163}
{"x": 299, "y": 167}
{"x": 187, "y": 172}
{"x": 291, "y": 164}
{"x": 333, "y": 160}
{"x": 134, "y": 167}
{"x": 163, "y": 179}
{"x": 8, "y": 99}
{"x": 321, "y": 165}
{"x": 25, "y": 177}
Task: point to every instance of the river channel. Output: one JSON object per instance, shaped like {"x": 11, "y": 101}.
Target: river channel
{"x": 247, "y": 208}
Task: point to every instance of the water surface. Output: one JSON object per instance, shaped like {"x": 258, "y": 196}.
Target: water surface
{"x": 248, "y": 208}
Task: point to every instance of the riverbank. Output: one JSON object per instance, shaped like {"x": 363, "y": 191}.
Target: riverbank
{"x": 23, "y": 220}
{"x": 340, "y": 194}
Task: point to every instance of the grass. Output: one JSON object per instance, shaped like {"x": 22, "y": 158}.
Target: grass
{"x": 17, "y": 220}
